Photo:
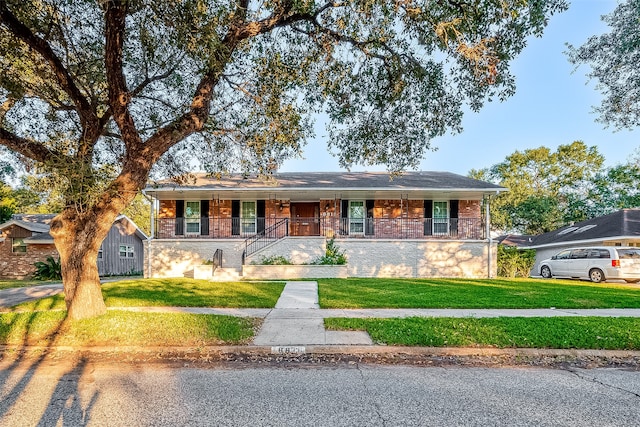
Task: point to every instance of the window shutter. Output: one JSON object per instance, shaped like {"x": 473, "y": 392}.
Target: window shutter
{"x": 260, "y": 215}
{"x": 204, "y": 217}
{"x": 235, "y": 217}
{"x": 179, "y": 217}
{"x": 453, "y": 216}
{"x": 428, "y": 213}
{"x": 369, "y": 229}
{"x": 453, "y": 208}
{"x": 344, "y": 217}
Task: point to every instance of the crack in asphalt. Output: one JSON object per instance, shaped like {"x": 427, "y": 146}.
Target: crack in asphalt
{"x": 367, "y": 392}
{"x": 598, "y": 381}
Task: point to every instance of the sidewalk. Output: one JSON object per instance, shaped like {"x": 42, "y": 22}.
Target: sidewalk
{"x": 295, "y": 321}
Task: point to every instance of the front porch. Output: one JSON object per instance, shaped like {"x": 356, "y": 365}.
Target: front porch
{"x": 346, "y": 228}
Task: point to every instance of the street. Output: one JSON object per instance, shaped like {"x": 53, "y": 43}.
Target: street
{"x": 121, "y": 394}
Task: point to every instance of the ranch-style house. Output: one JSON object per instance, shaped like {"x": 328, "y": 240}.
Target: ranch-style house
{"x": 419, "y": 224}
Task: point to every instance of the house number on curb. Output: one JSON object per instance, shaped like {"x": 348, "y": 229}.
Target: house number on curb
{"x": 288, "y": 350}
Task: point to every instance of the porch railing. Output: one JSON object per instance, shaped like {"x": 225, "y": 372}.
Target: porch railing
{"x": 362, "y": 228}
{"x": 269, "y": 235}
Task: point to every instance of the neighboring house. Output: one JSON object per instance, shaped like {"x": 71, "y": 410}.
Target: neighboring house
{"x": 25, "y": 239}
{"x": 421, "y": 224}
{"x": 621, "y": 228}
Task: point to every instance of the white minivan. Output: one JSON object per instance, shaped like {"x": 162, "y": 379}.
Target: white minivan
{"x": 594, "y": 263}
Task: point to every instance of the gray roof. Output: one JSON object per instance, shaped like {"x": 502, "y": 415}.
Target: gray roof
{"x": 333, "y": 180}
{"x": 624, "y": 223}
{"x": 39, "y": 224}
{"x": 325, "y": 184}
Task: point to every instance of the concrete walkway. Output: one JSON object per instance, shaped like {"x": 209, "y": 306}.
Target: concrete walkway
{"x": 13, "y": 296}
{"x": 295, "y": 321}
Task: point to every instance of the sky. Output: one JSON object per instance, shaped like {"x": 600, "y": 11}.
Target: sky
{"x": 553, "y": 106}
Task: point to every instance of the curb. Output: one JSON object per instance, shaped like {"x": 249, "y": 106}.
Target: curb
{"x": 249, "y": 356}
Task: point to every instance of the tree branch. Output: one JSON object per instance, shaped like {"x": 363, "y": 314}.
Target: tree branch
{"x": 119, "y": 96}
{"x": 63, "y": 77}
{"x": 31, "y": 149}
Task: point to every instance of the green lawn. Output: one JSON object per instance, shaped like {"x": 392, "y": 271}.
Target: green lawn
{"x": 177, "y": 293}
{"x": 474, "y": 293}
{"x": 556, "y": 332}
{"x": 122, "y": 328}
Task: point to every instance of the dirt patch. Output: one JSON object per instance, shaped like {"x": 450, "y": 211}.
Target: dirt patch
{"x": 246, "y": 357}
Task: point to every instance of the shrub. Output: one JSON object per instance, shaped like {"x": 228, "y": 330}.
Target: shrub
{"x": 332, "y": 255}
{"x": 514, "y": 262}
{"x": 275, "y": 260}
{"x": 48, "y": 270}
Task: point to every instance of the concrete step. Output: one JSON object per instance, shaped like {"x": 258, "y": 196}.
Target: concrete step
{"x": 227, "y": 274}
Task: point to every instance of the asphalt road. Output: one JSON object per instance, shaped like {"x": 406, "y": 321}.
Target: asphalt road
{"x": 121, "y": 394}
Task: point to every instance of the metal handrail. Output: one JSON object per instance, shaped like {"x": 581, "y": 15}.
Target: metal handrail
{"x": 217, "y": 260}
{"x": 267, "y": 236}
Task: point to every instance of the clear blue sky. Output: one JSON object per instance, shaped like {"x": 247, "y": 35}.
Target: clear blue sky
{"x": 552, "y": 106}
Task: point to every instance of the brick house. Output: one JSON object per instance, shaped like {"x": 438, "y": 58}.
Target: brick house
{"x": 421, "y": 224}
{"x": 25, "y": 239}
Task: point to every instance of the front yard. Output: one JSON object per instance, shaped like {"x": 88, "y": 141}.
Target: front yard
{"x": 475, "y": 293}
{"x": 42, "y": 322}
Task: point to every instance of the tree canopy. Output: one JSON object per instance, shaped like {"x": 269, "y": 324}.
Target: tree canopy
{"x": 100, "y": 92}
{"x": 614, "y": 58}
{"x": 548, "y": 189}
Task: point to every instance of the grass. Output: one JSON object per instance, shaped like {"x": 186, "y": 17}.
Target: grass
{"x": 176, "y": 293}
{"x": 474, "y": 293}
{"x": 556, "y": 332}
{"x": 125, "y": 329}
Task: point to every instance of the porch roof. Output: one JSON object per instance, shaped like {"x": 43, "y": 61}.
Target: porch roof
{"x": 327, "y": 185}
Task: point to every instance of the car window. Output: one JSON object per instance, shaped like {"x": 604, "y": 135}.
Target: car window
{"x": 604, "y": 253}
{"x": 563, "y": 254}
{"x": 628, "y": 253}
{"x": 579, "y": 253}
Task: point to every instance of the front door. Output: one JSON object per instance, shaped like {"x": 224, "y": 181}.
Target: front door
{"x": 305, "y": 219}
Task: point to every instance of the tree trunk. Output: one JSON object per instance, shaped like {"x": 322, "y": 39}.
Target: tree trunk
{"x": 78, "y": 239}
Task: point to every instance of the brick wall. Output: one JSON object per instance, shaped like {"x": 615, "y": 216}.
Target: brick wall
{"x": 20, "y": 265}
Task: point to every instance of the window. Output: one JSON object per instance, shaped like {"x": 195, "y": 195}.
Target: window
{"x": 192, "y": 217}
{"x": 18, "y": 246}
{"x": 562, "y": 255}
{"x": 248, "y": 217}
{"x": 356, "y": 217}
{"x": 126, "y": 251}
{"x": 440, "y": 217}
{"x": 100, "y": 254}
{"x": 579, "y": 253}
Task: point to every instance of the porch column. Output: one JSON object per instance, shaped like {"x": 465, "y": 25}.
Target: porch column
{"x": 488, "y": 231}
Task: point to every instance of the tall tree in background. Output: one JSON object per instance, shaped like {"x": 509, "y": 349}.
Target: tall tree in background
{"x": 95, "y": 89}
{"x": 541, "y": 186}
{"x": 614, "y": 58}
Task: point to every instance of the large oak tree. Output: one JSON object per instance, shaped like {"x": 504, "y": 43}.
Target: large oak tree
{"x": 98, "y": 92}
{"x": 613, "y": 58}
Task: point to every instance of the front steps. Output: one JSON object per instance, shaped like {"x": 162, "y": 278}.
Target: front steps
{"x": 227, "y": 274}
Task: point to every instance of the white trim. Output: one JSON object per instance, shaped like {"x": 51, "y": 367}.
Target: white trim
{"x": 192, "y": 219}
{"x": 255, "y": 218}
{"x": 364, "y": 217}
{"x": 143, "y": 235}
{"x": 446, "y": 219}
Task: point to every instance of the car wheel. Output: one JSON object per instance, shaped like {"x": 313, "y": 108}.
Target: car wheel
{"x": 596, "y": 275}
{"x": 545, "y": 272}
